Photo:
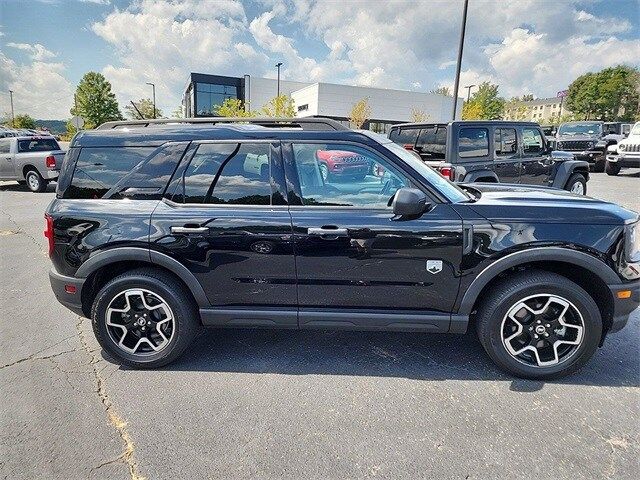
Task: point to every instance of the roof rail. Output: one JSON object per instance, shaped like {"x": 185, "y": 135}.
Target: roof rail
{"x": 307, "y": 123}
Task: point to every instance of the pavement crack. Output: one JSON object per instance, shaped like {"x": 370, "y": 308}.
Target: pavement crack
{"x": 19, "y": 231}
{"x": 127, "y": 456}
{"x": 34, "y": 356}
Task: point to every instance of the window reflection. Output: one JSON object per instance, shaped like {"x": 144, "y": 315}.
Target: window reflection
{"x": 210, "y": 96}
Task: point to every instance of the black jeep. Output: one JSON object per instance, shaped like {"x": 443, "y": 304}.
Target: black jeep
{"x": 160, "y": 228}
{"x": 589, "y": 140}
{"x": 493, "y": 151}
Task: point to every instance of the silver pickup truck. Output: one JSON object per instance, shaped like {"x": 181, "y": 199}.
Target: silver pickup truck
{"x": 34, "y": 161}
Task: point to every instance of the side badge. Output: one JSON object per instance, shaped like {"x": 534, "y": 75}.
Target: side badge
{"x": 434, "y": 266}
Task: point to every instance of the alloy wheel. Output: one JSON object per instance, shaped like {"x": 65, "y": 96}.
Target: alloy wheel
{"x": 140, "y": 322}
{"x": 578, "y": 188}
{"x": 33, "y": 181}
{"x": 542, "y": 330}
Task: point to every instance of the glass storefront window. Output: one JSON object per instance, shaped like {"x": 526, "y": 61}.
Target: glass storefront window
{"x": 210, "y": 96}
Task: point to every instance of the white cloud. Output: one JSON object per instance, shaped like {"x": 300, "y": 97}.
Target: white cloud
{"x": 39, "y": 88}
{"x": 36, "y": 51}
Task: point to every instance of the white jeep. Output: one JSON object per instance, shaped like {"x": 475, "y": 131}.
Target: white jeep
{"x": 626, "y": 153}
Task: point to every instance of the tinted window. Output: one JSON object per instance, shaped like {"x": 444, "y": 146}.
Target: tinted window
{"x": 532, "y": 141}
{"x": 5, "y": 146}
{"x": 404, "y": 136}
{"x": 228, "y": 173}
{"x": 99, "y": 169}
{"x": 345, "y": 175}
{"x": 505, "y": 141}
{"x": 210, "y": 96}
{"x": 38, "y": 145}
{"x": 473, "y": 142}
{"x": 432, "y": 141}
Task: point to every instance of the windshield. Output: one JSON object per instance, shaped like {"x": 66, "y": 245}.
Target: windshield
{"x": 450, "y": 190}
{"x": 579, "y": 129}
{"x": 636, "y": 129}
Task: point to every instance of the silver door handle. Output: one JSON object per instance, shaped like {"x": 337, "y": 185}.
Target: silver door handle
{"x": 328, "y": 232}
{"x": 189, "y": 229}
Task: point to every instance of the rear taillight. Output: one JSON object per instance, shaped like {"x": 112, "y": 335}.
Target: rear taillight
{"x": 48, "y": 232}
{"x": 447, "y": 172}
{"x": 50, "y": 161}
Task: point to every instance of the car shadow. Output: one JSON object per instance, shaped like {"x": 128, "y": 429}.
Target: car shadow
{"x": 16, "y": 187}
{"x": 437, "y": 357}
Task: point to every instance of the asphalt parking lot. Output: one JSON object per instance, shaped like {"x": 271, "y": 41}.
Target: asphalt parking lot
{"x": 285, "y": 404}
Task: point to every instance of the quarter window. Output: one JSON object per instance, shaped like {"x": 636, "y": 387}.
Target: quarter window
{"x": 473, "y": 142}
{"x": 505, "y": 142}
{"x": 345, "y": 175}
{"x": 227, "y": 173}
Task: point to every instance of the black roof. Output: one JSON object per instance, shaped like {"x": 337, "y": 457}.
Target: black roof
{"x": 465, "y": 122}
{"x": 161, "y": 134}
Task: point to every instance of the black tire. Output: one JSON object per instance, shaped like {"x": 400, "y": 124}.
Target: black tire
{"x": 577, "y": 180}
{"x": 599, "y": 164}
{"x": 519, "y": 286}
{"x": 186, "y": 318}
{"x": 35, "y": 182}
{"x": 612, "y": 169}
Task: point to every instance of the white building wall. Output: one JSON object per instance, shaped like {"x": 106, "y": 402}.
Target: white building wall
{"x": 261, "y": 90}
{"x": 333, "y": 100}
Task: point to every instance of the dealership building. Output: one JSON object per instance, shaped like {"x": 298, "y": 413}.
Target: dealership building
{"x": 388, "y": 106}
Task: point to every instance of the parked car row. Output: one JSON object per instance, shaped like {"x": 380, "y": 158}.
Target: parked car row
{"x": 206, "y": 223}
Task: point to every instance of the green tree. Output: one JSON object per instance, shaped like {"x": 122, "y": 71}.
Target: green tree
{"x": 527, "y": 98}
{"x": 145, "y": 107}
{"x": 178, "y": 112}
{"x": 418, "y": 115}
{"x": 360, "y": 113}
{"x": 95, "y": 102}
{"x": 22, "y": 121}
{"x": 233, "y": 107}
{"x": 442, "y": 91}
{"x": 280, "y": 106}
{"x": 609, "y": 95}
{"x": 485, "y": 104}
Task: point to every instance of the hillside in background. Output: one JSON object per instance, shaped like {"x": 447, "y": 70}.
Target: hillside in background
{"x": 54, "y": 126}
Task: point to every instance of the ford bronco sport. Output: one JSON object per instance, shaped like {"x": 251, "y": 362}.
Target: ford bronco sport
{"x": 158, "y": 228}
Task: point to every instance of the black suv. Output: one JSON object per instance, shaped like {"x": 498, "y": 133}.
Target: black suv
{"x": 159, "y": 228}
{"x": 589, "y": 140}
{"x": 493, "y": 151}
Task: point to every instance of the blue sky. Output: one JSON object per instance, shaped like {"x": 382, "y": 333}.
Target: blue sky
{"x": 526, "y": 46}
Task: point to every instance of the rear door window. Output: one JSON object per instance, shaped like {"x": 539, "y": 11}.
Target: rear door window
{"x": 532, "y": 141}
{"x": 5, "y": 146}
{"x": 38, "y": 145}
{"x": 227, "y": 173}
{"x": 473, "y": 142}
{"x": 505, "y": 142}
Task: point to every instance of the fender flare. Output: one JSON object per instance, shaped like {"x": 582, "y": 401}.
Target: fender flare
{"x": 475, "y": 174}
{"x": 566, "y": 169}
{"x": 539, "y": 254}
{"x": 118, "y": 254}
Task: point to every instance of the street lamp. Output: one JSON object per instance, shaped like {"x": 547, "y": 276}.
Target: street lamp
{"x": 459, "y": 64}
{"x": 13, "y": 117}
{"x": 153, "y": 86}
{"x": 278, "y": 65}
{"x": 468, "y": 87}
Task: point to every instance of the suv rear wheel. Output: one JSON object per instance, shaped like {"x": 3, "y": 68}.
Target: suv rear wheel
{"x": 144, "y": 318}
{"x": 539, "y": 325}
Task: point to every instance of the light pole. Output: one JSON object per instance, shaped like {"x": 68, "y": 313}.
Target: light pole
{"x": 153, "y": 86}
{"x": 278, "y": 65}
{"x": 13, "y": 117}
{"x": 468, "y": 87}
{"x": 459, "y": 64}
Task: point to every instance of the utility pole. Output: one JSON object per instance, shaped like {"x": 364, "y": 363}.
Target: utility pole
{"x": 459, "y": 64}
{"x": 153, "y": 86}
{"x": 278, "y": 65}
{"x": 13, "y": 117}
{"x": 468, "y": 87}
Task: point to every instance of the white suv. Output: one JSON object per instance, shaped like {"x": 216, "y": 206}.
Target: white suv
{"x": 625, "y": 153}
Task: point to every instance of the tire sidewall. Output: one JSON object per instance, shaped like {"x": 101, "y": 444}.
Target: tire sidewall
{"x": 38, "y": 177}
{"x": 181, "y": 312}
{"x": 592, "y": 331}
{"x": 577, "y": 178}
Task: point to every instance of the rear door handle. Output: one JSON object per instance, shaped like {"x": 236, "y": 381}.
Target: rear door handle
{"x": 189, "y": 229}
{"x": 328, "y": 232}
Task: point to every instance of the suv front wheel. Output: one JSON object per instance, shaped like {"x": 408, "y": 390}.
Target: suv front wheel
{"x": 144, "y": 318}
{"x": 539, "y": 325}
{"x": 577, "y": 184}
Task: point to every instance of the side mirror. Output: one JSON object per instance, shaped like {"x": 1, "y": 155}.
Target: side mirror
{"x": 409, "y": 202}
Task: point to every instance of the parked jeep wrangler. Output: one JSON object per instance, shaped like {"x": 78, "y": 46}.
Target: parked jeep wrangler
{"x": 493, "y": 151}
{"x": 589, "y": 141}
{"x": 160, "y": 228}
{"x": 625, "y": 154}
